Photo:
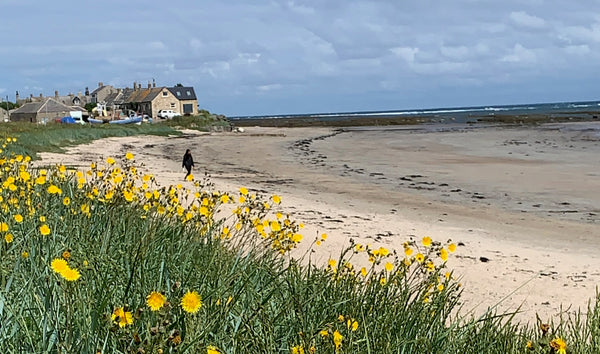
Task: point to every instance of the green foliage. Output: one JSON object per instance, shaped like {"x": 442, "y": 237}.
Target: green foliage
{"x": 90, "y": 106}
{"x": 8, "y": 104}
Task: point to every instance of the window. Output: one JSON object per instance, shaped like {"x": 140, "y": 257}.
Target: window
{"x": 165, "y": 93}
{"x": 189, "y": 93}
{"x": 172, "y": 105}
{"x": 188, "y": 108}
{"x": 178, "y": 94}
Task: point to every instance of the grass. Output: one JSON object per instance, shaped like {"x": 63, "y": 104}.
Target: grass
{"x": 53, "y": 137}
{"x": 82, "y": 252}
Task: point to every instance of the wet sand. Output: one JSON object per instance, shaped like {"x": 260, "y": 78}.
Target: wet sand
{"x": 523, "y": 203}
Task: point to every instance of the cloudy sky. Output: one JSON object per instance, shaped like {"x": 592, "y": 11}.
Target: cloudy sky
{"x": 274, "y": 57}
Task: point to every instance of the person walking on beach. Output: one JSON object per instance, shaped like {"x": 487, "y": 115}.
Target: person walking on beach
{"x": 188, "y": 163}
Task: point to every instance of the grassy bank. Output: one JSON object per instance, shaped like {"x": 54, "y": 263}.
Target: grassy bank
{"x": 105, "y": 260}
{"x": 53, "y": 137}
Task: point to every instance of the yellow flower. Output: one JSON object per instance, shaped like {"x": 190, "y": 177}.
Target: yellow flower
{"x": 451, "y": 248}
{"x": 324, "y": 333}
{"x": 66, "y": 254}
{"x": 54, "y": 189}
{"x": 122, "y": 317}
{"x": 559, "y": 345}
{"x": 243, "y": 191}
{"x": 18, "y": 218}
{"x": 211, "y": 349}
{"x": 224, "y": 198}
{"x": 389, "y": 266}
{"x": 129, "y": 156}
{"x": 440, "y": 287}
{"x": 67, "y": 201}
{"x": 45, "y": 230}
{"x": 3, "y": 226}
{"x": 298, "y": 349}
{"x": 426, "y": 241}
{"x": 70, "y": 274}
{"x": 276, "y": 199}
{"x": 25, "y": 254}
{"x": 408, "y": 251}
{"x": 59, "y": 265}
{"x": 110, "y": 161}
{"x": 155, "y": 300}
{"x": 382, "y": 281}
{"x": 363, "y": 271}
{"x": 443, "y": 254}
{"x": 420, "y": 258}
{"x": 275, "y": 226}
{"x": 191, "y": 302}
{"x": 337, "y": 339}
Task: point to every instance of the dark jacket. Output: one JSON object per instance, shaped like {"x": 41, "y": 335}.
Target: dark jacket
{"x": 188, "y": 161}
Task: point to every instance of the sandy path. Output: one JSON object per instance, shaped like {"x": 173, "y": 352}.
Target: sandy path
{"x": 527, "y": 200}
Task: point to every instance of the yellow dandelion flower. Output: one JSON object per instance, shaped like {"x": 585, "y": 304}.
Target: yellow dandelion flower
{"x": 70, "y": 274}
{"x": 426, "y": 241}
{"x": 408, "y": 251}
{"x": 155, "y": 300}
{"x": 298, "y": 349}
{"x": 42, "y": 218}
{"x": 211, "y": 349}
{"x": 559, "y": 345}
{"x": 191, "y": 302}
{"x": 122, "y": 317}
{"x": 382, "y": 281}
{"x": 440, "y": 287}
{"x": 420, "y": 258}
{"x": 389, "y": 266}
{"x": 341, "y": 318}
{"x": 276, "y": 199}
{"x": 451, "y": 248}
{"x": 110, "y": 161}
{"x": 243, "y": 191}
{"x": 443, "y": 254}
{"x": 224, "y": 199}
{"x": 66, "y": 201}
{"x": 3, "y": 226}
{"x": 297, "y": 238}
{"x": 324, "y": 333}
{"x": 66, "y": 254}
{"x": 354, "y": 326}
{"x": 430, "y": 266}
{"x": 8, "y": 238}
{"x": 52, "y": 189}
{"x": 59, "y": 265}
{"x": 25, "y": 254}
{"x": 324, "y": 237}
{"x": 337, "y": 339}
{"x": 363, "y": 271}
{"x": 275, "y": 226}
{"x": 129, "y": 156}
{"x": 332, "y": 263}
{"x": 45, "y": 230}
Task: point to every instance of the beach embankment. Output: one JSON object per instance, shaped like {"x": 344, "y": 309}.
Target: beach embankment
{"x": 521, "y": 203}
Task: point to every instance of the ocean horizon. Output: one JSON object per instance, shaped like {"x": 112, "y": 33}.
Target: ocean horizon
{"x": 583, "y": 110}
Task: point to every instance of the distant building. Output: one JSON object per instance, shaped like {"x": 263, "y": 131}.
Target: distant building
{"x": 3, "y": 115}
{"x": 187, "y": 103}
{"x": 44, "y": 111}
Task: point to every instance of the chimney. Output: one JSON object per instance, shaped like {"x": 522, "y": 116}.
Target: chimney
{"x": 139, "y": 86}
{"x": 134, "y": 85}
{"x": 17, "y": 97}
{"x": 79, "y": 94}
{"x": 87, "y": 91}
{"x": 149, "y": 85}
{"x": 100, "y": 84}
{"x": 55, "y": 93}
{"x": 41, "y": 96}
{"x": 153, "y": 83}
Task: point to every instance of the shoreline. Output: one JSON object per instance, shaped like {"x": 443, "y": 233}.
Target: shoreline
{"x": 538, "y": 260}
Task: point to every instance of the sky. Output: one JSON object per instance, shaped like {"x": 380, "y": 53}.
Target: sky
{"x": 292, "y": 57}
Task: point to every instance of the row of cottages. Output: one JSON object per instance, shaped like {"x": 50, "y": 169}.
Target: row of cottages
{"x": 43, "y": 111}
{"x": 148, "y": 100}
{"x": 69, "y": 100}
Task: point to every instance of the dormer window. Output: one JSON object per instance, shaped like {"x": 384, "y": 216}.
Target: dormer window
{"x": 165, "y": 94}
{"x": 178, "y": 94}
{"x": 189, "y": 93}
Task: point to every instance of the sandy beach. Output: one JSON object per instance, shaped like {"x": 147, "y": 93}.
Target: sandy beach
{"x": 522, "y": 203}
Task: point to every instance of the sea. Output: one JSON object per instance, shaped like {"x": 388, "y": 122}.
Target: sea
{"x": 518, "y": 113}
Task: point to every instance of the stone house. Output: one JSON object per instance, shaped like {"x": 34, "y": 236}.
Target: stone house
{"x": 187, "y": 103}
{"x": 39, "y": 112}
{"x": 101, "y": 93}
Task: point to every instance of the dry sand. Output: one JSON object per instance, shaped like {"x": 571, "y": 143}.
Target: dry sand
{"x": 522, "y": 203}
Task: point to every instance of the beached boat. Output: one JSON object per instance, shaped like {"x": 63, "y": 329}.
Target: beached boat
{"x": 130, "y": 120}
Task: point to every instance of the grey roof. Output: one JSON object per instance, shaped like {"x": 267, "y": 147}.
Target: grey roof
{"x": 49, "y": 105}
{"x": 183, "y": 93}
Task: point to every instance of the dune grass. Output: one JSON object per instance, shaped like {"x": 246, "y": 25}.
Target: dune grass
{"x": 105, "y": 260}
